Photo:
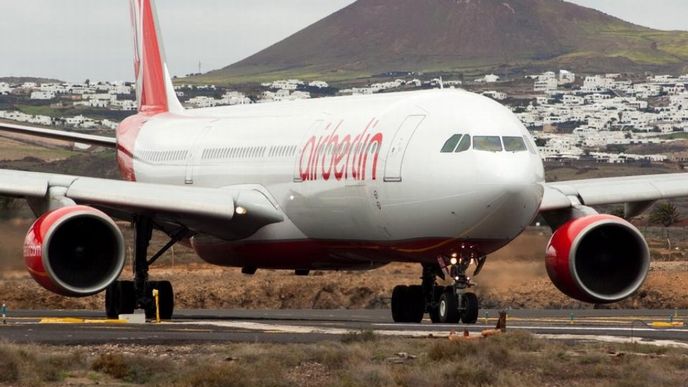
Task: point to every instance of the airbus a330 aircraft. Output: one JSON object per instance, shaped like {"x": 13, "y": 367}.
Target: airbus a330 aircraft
{"x": 442, "y": 178}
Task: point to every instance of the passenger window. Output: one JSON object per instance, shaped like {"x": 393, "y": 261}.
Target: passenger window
{"x": 451, "y": 144}
{"x": 464, "y": 144}
{"x": 487, "y": 143}
{"x": 514, "y": 144}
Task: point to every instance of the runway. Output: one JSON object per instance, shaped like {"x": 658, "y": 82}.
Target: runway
{"x": 660, "y": 327}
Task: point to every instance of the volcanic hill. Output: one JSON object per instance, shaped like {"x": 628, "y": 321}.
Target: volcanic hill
{"x": 377, "y": 36}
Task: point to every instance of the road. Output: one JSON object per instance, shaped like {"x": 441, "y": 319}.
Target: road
{"x": 304, "y": 326}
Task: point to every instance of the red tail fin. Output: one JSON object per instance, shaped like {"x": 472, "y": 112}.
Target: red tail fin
{"x": 155, "y": 93}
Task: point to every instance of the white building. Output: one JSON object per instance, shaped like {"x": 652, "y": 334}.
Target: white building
{"x": 319, "y": 84}
{"x": 5, "y": 88}
{"x": 42, "y": 95}
{"x": 570, "y": 99}
{"x": 202, "y": 101}
{"x": 234, "y": 98}
{"x": 497, "y": 95}
{"x": 489, "y": 78}
{"x": 286, "y": 84}
{"x": 41, "y": 120}
{"x": 566, "y": 77}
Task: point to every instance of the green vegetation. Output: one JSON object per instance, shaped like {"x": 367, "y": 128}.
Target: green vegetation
{"x": 14, "y": 150}
{"x": 95, "y": 113}
{"x": 513, "y": 359}
{"x": 665, "y": 214}
{"x": 674, "y": 136}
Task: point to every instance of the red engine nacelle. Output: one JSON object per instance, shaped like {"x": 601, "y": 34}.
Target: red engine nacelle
{"x": 74, "y": 251}
{"x": 598, "y": 259}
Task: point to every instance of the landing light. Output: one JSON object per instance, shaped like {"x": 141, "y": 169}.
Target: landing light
{"x": 240, "y": 211}
{"x": 453, "y": 261}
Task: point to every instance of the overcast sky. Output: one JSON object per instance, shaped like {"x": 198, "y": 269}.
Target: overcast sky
{"x": 78, "y": 39}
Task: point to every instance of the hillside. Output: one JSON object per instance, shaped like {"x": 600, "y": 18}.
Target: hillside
{"x": 376, "y": 36}
{"x": 20, "y": 80}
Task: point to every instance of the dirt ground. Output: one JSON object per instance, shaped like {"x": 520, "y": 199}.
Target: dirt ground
{"x": 514, "y": 277}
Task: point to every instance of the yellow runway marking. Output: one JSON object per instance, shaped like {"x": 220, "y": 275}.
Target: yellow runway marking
{"x": 664, "y": 324}
{"x": 73, "y": 320}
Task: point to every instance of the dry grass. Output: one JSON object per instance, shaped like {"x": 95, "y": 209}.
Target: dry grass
{"x": 514, "y": 359}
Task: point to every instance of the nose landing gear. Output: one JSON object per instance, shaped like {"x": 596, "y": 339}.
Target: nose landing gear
{"x": 445, "y": 304}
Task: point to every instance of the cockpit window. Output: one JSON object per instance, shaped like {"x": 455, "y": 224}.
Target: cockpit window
{"x": 487, "y": 143}
{"x": 514, "y": 144}
{"x": 464, "y": 144}
{"x": 451, "y": 144}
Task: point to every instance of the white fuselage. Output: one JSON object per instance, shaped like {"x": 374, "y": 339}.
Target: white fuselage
{"x": 361, "y": 180}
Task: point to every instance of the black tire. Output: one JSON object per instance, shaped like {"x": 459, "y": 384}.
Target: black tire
{"x": 399, "y": 295}
{"x": 448, "y": 307}
{"x": 415, "y": 304}
{"x": 112, "y": 301}
{"x": 120, "y": 298}
{"x": 470, "y": 311}
{"x": 434, "y": 307}
{"x": 127, "y": 297}
{"x": 165, "y": 299}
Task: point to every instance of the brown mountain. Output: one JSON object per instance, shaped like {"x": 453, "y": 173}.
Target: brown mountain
{"x": 375, "y": 36}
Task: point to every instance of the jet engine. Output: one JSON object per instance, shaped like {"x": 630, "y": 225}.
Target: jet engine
{"x": 74, "y": 251}
{"x": 598, "y": 259}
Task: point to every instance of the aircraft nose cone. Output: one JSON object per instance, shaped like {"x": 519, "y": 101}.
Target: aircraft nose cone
{"x": 512, "y": 194}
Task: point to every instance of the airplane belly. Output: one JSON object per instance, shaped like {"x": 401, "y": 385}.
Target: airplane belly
{"x": 344, "y": 212}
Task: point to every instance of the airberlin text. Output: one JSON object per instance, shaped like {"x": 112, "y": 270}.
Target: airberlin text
{"x": 341, "y": 156}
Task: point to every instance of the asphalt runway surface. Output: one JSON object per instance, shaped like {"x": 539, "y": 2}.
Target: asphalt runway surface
{"x": 305, "y": 326}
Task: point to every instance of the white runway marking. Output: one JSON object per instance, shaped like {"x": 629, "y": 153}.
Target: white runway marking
{"x": 302, "y": 329}
{"x": 279, "y": 328}
{"x": 616, "y": 339}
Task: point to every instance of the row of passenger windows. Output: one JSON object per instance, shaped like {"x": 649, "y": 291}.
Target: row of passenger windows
{"x": 245, "y": 152}
{"x": 250, "y": 152}
{"x": 163, "y": 156}
{"x": 240, "y": 152}
{"x": 462, "y": 142}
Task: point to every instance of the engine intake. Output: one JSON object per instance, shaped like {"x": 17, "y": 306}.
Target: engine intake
{"x": 74, "y": 251}
{"x": 598, "y": 259}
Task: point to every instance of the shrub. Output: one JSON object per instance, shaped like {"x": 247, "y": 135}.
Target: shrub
{"x": 359, "y": 337}
{"x": 132, "y": 369}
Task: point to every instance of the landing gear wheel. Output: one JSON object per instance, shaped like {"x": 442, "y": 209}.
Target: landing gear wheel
{"x": 434, "y": 307}
{"x": 120, "y": 299}
{"x": 408, "y": 304}
{"x": 398, "y": 298}
{"x": 165, "y": 299}
{"x": 448, "y": 307}
{"x": 470, "y": 312}
{"x": 415, "y": 304}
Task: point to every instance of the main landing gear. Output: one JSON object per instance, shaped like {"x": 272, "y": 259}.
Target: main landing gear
{"x": 123, "y": 297}
{"x": 445, "y": 304}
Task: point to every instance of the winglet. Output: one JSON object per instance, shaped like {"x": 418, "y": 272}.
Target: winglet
{"x": 154, "y": 90}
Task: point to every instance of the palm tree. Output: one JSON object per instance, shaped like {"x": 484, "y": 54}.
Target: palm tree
{"x": 665, "y": 214}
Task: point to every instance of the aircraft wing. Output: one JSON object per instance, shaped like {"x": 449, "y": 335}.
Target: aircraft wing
{"x": 636, "y": 192}
{"x": 109, "y": 142}
{"x": 228, "y": 212}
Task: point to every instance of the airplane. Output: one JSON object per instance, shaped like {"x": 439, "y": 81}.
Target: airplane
{"x": 442, "y": 178}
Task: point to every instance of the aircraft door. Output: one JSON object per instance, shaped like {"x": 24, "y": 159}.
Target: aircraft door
{"x": 194, "y": 157}
{"x": 395, "y": 155}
